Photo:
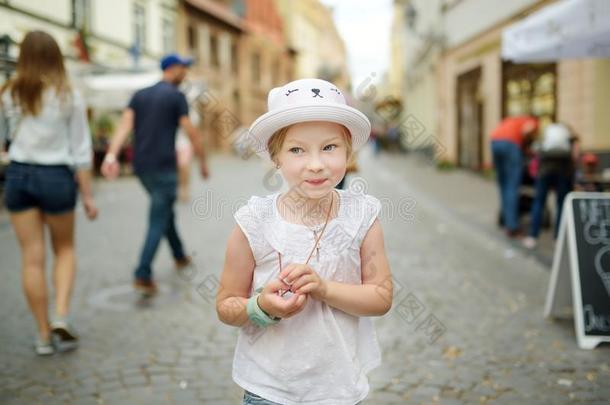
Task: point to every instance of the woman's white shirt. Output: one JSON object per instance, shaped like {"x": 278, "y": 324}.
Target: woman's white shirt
{"x": 322, "y": 354}
{"x": 58, "y": 135}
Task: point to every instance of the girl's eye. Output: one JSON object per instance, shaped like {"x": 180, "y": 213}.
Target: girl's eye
{"x": 295, "y": 150}
{"x": 330, "y": 147}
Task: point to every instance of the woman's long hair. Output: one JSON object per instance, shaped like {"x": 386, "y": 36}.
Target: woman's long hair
{"x": 40, "y": 65}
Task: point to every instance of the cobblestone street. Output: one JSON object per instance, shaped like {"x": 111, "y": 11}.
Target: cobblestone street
{"x": 466, "y": 326}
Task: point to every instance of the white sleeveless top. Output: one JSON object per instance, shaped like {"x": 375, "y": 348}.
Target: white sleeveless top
{"x": 321, "y": 355}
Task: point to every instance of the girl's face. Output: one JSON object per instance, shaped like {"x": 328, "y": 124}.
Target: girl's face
{"x": 313, "y": 157}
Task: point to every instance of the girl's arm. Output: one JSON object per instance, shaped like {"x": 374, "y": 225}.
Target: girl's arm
{"x": 374, "y": 296}
{"x": 235, "y": 280}
{"x": 82, "y": 153}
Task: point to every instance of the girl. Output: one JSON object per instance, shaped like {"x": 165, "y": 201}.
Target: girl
{"x": 306, "y": 268}
{"x": 46, "y": 123}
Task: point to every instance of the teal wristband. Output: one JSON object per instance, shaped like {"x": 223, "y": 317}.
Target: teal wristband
{"x": 257, "y": 315}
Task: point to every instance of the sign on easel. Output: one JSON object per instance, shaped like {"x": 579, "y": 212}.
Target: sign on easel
{"x": 580, "y": 276}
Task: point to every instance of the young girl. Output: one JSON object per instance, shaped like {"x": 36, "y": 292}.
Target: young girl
{"x": 306, "y": 268}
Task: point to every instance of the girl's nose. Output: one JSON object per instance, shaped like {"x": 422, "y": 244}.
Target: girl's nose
{"x": 315, "y": 163}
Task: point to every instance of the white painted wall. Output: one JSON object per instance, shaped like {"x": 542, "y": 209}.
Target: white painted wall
{"x": 111, "y": 20}
{"x": 17, "y": 24}
{"x": 58, "y": 10}
{"x": 470, "y": 17}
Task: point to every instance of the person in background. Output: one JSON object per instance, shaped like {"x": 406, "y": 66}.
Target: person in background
{"x": 507, "y": 142}
{"x": 587, "y": 177}
{"x": 154, "y": 114}
{"x": 50, "y": 161}
{"x": 556, "y": 152}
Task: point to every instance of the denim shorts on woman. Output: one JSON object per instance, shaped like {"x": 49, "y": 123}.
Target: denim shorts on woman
{"x": 50, "y": 188}
{"x": 253, "y": 399}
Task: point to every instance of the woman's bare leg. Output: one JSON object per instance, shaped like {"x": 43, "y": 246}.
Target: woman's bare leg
{"x": 62, "y": 237}
{"x": 29, "y": 227}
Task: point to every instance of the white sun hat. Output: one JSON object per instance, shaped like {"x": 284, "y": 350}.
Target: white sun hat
{"x": 307, "y": 100}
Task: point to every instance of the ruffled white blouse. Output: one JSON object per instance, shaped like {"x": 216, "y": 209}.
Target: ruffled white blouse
{"x": 321, "y": 355}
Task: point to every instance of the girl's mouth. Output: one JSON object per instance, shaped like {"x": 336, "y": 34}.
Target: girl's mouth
{"x": 316, "y": 182}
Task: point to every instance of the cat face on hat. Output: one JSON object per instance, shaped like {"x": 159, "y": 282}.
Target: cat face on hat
{"x": 307, "y": 100}
{"x": 295, "y": 93}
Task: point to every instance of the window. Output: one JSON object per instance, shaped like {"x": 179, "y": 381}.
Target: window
{"x": 214, "y": 51}
{"x": 530, "y": 89}
{"x": 256, "y": 68}
{"x": 139, "y": 25}
{"x": 168, "y": 35}
{"x": 234, "y": 57}
{"x": 192, "y": 39}
{"x": 275, "y": 72}
{"x": 81, "y": 14}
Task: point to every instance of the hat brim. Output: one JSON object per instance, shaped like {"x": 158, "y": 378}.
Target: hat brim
{"x": 267, "y": 124}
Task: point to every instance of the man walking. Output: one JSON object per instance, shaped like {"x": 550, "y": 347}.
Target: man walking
{"x": 154, "y": 115}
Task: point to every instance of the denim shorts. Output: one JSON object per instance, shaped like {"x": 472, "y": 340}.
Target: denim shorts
{"x": 50, "y": 188}
{"x": 253, "y": 399}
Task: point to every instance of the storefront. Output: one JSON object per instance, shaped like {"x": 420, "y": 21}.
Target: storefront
{"x": 478, "y": 87}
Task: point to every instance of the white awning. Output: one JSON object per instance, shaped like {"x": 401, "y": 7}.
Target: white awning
{"x": 568, "y": 29}
{"x": 113, "y": 91}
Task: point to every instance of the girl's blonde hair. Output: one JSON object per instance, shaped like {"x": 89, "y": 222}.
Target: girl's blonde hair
{"x": 274, "y": 145}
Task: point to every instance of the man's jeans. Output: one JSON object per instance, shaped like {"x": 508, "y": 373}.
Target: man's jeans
{"x": 508, "y": 161}
{"x": 563, "y": 185}
{"x": 161, "y": 188}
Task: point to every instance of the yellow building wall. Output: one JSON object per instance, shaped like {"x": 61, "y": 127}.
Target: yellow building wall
{"x": 582, "y": 91}
{"x": 601, "y": 137}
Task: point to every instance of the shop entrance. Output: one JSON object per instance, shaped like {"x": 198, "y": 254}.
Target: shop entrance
{"x": 470, "y": 120}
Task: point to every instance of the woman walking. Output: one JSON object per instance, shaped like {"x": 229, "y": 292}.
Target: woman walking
{"x": 50, "y": 153}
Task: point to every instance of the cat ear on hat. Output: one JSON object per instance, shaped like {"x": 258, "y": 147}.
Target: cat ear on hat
{"x": 274, "y": 93}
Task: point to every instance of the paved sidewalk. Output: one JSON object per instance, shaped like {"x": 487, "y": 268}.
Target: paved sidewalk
{"x": 467, "y": 195}
{"x": 466, "y": 325}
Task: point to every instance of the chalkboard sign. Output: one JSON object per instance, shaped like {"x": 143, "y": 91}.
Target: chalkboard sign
{"x": 580, "y": 277}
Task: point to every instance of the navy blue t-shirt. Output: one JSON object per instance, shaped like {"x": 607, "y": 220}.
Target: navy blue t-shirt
{"x": 158, "y": 110}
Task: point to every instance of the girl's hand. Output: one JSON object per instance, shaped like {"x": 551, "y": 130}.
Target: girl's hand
{"x": 303, "y": 279}
{"x": 273, "y": 304}
{"x": 90, "y": 208}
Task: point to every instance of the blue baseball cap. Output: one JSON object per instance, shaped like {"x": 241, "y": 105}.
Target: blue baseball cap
{"x": 175, "y": 59}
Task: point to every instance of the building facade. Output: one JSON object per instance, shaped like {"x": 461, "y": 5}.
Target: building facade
{"x": 240, "y": 53}
{"x": 96, "y": 35}
{"x": 312, "y": 33}
{"x": 455, "y": 87}
{"x": 417, "y": 41}
{"x": 477, "y": 88}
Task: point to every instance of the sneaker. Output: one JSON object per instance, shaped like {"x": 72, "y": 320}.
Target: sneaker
{"x": 183, "y": 263}
{"x": 530, "y": 242}
{"x": 147, "y": 288}
{"x": 43, "y": 348}
{"x": 514, "y": 233}
{"x": 64, "y": 335}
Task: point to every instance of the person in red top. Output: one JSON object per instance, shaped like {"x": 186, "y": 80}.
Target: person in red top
{"x": 507, "y": 141}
